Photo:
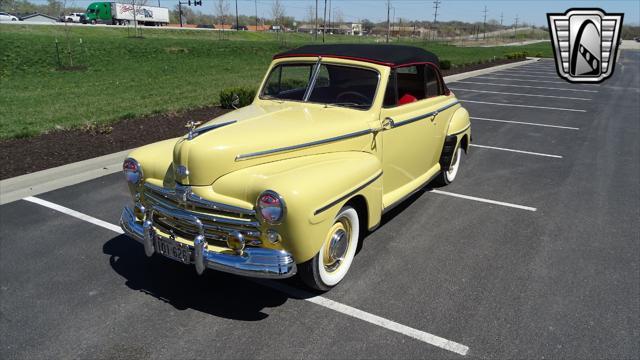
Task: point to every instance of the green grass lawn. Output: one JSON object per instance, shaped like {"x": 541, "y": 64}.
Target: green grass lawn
{"x": 167, "y": 70}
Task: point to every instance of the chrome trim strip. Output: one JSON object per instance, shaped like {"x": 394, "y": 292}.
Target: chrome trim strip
{"x": 312, "y": 83}
{"x": 186, "y": 215}
{"x": 333, "y": 203}
{"x": 461, "y": 131}
{"x": 420, "y": 187}
{"x": 300, "y": 146}
{"x": 195, "y": 133}
{"x": 420, "y": 117}
{"x": 198, "y": 201}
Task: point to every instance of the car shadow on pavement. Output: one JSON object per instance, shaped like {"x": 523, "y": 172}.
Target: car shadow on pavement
{"x": 216, "y": 293}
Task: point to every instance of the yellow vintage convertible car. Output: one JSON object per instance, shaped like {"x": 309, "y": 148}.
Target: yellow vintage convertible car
{"x": 336, "y": 136}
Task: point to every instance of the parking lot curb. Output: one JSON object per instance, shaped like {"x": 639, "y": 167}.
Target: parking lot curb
{"x": 43, "y": 181}
{"x": 19, "y": 187}
{"x": 464, "y": 75}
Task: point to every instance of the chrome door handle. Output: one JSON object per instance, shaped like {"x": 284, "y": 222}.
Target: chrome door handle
{"x": 388, "y": 123}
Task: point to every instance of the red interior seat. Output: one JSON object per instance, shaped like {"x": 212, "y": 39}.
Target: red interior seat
{"x": 406, "y": 99}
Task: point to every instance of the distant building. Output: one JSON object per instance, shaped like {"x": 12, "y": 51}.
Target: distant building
{"x": 258, "y": 28}
{"x": 38, "y": 18}
{"x": 344, "y": 29}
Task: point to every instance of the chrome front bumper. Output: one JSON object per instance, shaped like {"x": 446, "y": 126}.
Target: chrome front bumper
{"x": 254, "y": 262}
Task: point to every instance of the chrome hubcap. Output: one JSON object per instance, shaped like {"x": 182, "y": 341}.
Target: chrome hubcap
{"x": 337, "y": 244}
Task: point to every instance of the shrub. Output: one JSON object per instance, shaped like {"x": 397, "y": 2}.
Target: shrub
{"x": 445, "y": 64}
{"x": 245, "y": 95}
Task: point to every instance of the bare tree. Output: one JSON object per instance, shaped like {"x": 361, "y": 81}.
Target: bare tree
{"x": 221, "y": 8}
{"x": 338, "y": 17}
{"x": 277, "y": 11}
{"x": 136, "y": 3}
{"x": 311, "y": 14}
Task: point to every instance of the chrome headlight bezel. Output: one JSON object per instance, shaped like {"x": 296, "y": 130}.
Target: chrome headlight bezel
{"x": 260, "y": 208}
{"x": 132, "y": 171}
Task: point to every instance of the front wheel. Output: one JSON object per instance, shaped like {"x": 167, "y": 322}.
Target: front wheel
{"x": 331, "y": 263}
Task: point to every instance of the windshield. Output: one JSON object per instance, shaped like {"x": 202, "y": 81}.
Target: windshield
{"x": 329, "y": 84}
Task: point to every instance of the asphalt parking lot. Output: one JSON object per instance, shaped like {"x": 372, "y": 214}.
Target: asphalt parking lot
{"x": 532, "y": 252}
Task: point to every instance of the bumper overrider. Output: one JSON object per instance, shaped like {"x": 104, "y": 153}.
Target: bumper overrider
{"x": 252, "y": 262}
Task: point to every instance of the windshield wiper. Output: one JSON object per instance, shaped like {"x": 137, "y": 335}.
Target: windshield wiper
{"x": 272, "y": 98}
{"x": 346, "y": 104}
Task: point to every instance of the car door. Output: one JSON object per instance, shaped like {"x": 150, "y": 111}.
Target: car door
{"x": 414, "y": 133}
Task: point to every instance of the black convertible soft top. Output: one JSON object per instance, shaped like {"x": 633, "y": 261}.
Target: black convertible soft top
{"x": 389, "y": 55}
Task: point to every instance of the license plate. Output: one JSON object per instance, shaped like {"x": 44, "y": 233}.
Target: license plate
{"x": 172, "y": 249}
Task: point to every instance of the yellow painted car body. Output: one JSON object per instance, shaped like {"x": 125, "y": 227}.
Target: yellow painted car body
{"x": 317, "y": 157}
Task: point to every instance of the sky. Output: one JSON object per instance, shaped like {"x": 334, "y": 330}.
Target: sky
{"x": 530, "y": 11}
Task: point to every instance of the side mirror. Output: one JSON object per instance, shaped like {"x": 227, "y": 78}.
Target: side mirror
{"x": 235, "y": 101}
{"x": 387, "y": 124}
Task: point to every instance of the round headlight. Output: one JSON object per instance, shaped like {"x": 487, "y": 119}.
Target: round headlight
{"x": 271, "y": 207}
{"x": 132, "y": 171}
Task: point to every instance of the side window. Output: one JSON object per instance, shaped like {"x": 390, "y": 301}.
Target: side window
{"x": 323, "y": 77}
{"x": 433, "y": 85}
{"x": 410, "y": 83}
{"x": 390, "y": 98}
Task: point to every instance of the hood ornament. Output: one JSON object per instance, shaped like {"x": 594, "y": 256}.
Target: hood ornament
{"x": 193, "y": 132}
{"x": 192, "y": 125}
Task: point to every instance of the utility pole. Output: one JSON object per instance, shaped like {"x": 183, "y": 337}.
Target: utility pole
{"x": 315, "y": 33}
{"x": 484, "y": 24}
{"x": 324, "y": 20}
{"x": 179, "y": 12}
{"x": 256, "y": 5}
{"x": 501, "y": 16}
{"x": 237, "y": 21}
{"x": 515, "y": 28}
{"x": 388, "y": 23}
{"x": 158, "y": 3}
{"x": 436, "y": 5}
{"x": 329, "y": 15}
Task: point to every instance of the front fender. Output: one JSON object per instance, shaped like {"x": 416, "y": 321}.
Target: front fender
{"x": 314, "y": 189}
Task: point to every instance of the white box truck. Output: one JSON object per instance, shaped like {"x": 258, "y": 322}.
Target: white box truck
{"x": 114, "y": 13}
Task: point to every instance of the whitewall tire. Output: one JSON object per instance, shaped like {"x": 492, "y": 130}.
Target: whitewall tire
{"x": 332, "y": 262}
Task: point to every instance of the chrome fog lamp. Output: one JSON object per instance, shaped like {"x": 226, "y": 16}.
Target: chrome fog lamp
{"x": 132, "y": 171}
{"x": 273, "y": 236}
{"x": 271, "y": 207}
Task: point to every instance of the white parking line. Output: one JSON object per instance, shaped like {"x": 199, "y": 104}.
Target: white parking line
{"x": 75, "y": 214}
{"x": 318, "y": 300}
{"x": 526, "y": 75}
{"x": 525, "y": 123}
{"x": 526, "y": 106}
{"x": 525, "y": 86}
{"x": 525, "y": 71}
{"x": 517, "y": 151}
{"x": 368, "y": 317}
{"x": 528, "y": 80}
{"x": 520, "y": 94}
{"x": 528, "y": 208}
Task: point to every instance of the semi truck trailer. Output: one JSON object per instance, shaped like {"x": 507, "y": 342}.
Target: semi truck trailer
{"x": 113, "y": 13}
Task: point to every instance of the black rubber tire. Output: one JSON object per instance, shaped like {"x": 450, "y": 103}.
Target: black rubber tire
{"x": 309, "y": 273}
{"x": 442, "y": 179}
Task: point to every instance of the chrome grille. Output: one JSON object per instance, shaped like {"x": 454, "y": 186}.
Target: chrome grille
{"x": 175, "y": 209}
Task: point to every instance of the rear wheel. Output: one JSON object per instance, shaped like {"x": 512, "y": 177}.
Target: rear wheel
{"x": 332, "y": 262}
{"x": 447, "y": 177}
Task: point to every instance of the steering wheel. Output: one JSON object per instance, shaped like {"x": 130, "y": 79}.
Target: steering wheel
{"x": 354, "y": 95}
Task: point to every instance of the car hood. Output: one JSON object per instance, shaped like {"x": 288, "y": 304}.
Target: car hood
{"x": 289, "y": 128}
